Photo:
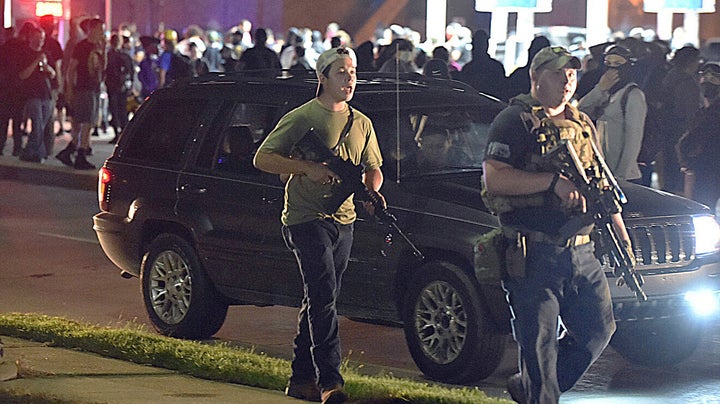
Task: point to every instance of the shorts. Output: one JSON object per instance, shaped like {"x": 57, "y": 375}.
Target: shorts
{"x": 85, "y": 106}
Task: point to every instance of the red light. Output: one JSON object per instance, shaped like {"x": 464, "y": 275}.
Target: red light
{"x": 104, "y": 180}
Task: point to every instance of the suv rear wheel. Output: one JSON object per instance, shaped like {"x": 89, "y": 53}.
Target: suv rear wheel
{"x": 179, "y": 298}
{"x": 447, "y": 332}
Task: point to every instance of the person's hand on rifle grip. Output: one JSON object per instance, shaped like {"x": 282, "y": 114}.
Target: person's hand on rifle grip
{"x": 368, "y": 204}
{"x": 570, "y": 196}
{"x": 320, "y": 173}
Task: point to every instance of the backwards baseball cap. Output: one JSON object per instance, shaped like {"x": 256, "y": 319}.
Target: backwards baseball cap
{"x": 554, "y": 58}
{"x": 331, "y": 55}
{"x": 328, "y": 57}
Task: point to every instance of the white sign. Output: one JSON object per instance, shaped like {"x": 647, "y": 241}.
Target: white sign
{"x": 538, "y": 6}
{"x": 679, "y": 6}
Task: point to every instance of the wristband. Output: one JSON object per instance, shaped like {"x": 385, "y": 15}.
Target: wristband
{"x": 554, "y": 181}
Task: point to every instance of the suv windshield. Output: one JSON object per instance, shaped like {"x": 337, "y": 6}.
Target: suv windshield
{"x": 431, "y": 140}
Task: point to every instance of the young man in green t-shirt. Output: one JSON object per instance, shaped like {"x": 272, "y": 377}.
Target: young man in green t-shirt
{"x": 321, "y": 237}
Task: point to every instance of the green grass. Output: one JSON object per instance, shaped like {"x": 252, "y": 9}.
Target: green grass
{"x": 217, "y": 362}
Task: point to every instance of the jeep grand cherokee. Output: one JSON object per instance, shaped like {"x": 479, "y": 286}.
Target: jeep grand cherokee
{"x": 183, "y": 209}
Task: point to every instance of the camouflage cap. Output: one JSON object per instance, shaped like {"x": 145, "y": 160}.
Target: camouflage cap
{"x": 554, "y": 58}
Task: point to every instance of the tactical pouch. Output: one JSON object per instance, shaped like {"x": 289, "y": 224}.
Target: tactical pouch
{"x": 490, "y": 256}
{"x": 515, "y": 256}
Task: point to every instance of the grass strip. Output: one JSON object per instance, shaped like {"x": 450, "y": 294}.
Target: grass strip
{"x": 217, "y": 362}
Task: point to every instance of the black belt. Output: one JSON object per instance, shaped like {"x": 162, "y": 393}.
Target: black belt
{"x": 540, "y": 237}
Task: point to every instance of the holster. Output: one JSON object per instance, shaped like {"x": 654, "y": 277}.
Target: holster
{"x": 516, "y": 256}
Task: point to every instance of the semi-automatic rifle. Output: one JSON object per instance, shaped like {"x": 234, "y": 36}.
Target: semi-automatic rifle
{"x": 312, "y": 148}
{"x": 604, "y": 198}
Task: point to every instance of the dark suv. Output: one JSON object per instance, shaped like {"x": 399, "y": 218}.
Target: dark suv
{"x": 183, "y": 209}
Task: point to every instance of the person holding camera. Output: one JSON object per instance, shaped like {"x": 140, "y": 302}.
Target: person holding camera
{"x": 319, "y": 235}
{"x": 552, "y": 281}
{"x": 35, "y": 77}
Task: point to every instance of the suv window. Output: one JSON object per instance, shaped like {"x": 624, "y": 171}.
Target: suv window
{"x": 166, "y": 127}
{"x": 233, "y": 137}
{"x": 437, "y": 140}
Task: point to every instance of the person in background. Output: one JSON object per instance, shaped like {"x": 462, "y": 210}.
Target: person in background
{"x": 213, "y": 54}
{"x": 484, "y": 73}
{"x": 548, "y": 278}
{"x": 35, "y": 75}
{"x": 173, "y": 64}
{"x": 118, "y": 81}
{"x": 11, "y": 102}
{"x": 366, "y": 57}
{"x": 401, "y": 59}
{"x": 436, "y": 68}
{"x": 149, "y": 73}
{"x": 82, "y": 90}
{"x": 54, "y": 53}
{"x": 699, "y": 148}
{"x": 681, "y": 100}
{"x": 321, "y": 236}
{"x": 617, "y": 105}
{"x": 518, "y": 82}
{"x": 260, "y": 59}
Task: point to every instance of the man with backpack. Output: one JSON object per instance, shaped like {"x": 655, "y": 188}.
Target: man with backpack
{"x": 618, "y": 107}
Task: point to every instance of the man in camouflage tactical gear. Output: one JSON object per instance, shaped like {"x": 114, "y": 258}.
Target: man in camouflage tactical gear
{"x": 548, "y": 278}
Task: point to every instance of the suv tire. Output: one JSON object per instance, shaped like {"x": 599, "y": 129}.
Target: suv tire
{"x": 178, "y": 295}
{"x": 446, "y": 329}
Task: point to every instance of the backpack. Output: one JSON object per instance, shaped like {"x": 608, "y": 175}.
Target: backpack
{"x": 181, "y": 67}
{"x": 653, "y": 130}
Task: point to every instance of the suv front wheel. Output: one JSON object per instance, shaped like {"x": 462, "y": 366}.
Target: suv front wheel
{"x": 446, "y": 329}
{"x": 179, "y": 298}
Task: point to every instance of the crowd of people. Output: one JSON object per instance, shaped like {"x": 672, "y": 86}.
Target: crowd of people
{"x": 642, "y": 105}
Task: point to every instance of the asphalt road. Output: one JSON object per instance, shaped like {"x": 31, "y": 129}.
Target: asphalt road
{"x": 52, "y": 264}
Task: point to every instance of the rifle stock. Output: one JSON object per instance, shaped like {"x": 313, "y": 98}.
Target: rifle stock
{"x": 603, "y": 200}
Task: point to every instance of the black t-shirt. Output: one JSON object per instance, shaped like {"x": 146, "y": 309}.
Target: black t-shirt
{"x": 86, "y": 80}
{"x": 118, "y": 71}
{"x": 37, "y": 85}
{"x": 511, "y": 143}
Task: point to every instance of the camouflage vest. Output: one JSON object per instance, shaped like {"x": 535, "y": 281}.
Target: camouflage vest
{"x": 546, "y": 133}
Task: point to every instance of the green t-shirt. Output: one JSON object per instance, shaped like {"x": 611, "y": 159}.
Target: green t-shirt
{"x": 303, "y": 197}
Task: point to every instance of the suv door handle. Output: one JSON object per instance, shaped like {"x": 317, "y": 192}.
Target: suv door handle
{"x": 193, "y": 190}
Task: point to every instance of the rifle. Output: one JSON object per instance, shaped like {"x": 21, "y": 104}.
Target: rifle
{"x": 311, "y": 147}
{"x": 604, "y": 198}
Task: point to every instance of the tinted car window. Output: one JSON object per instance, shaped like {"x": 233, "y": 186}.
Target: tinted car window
{"x": 164, "y": 131}
{"x": 437, "y": 140}
{"x": 234, "y": 136}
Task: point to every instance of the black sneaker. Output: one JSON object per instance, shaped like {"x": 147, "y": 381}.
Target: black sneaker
{"x": 30, "y": 158}
{"x": 304, "y": 391}
{"x": 65, "y": 156}
{"x": 515, "y": 388}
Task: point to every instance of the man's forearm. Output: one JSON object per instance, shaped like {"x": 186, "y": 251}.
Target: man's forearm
{"x": 276, "y": 164}
{"x": 503, "y": 179}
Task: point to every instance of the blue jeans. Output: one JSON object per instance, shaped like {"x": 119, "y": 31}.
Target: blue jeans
{"x": 40, "y": 113}
{"x": 322, "y": 249}
{"x": 565, "y": 283}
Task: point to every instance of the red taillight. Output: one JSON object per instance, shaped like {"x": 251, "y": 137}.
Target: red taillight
{"x": 104, "y": 179}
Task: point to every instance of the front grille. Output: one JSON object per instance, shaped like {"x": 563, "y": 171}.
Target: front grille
{"x": 661, "y": 243}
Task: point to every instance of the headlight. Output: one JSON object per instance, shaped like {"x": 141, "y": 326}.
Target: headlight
{"x": 703, "y": 302}
{"x": 707, "y": 234}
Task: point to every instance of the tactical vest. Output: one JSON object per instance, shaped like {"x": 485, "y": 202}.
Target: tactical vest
{"x": 546, "y": 134}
